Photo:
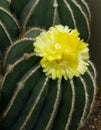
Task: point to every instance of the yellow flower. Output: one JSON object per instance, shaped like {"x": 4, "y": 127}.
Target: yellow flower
{"x": 63, "y": 53}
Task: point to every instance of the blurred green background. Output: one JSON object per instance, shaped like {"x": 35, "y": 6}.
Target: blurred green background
{"x": 95, "y": 42}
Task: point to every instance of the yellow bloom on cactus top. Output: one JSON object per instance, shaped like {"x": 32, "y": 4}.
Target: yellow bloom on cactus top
{"x": 63, "y": 53}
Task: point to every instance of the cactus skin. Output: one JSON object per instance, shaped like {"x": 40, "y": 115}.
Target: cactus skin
{"x": 9, "y": 27}
{"x": 29, "y": 100}
{"x": 35, "y": 13}
{"x": 74, "y": 13}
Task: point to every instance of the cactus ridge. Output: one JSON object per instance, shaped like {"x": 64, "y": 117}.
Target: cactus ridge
{"x": 28, "y": 47}
{"x": 5, "y": 4}
{"x": 54, "y": 115}
{"x": 32, "y": 32}
{"x": 31, "y": 14}
{"x": 84, "y": 14}
{"x": 86, "y": 7}
{"x": 91, "y": 98}
{"x": 25, "y": 60}
{"x": 20, "y": 86}
{"x": 11, "y": 19}
{"x": 93, "y": 70}
{"x": 9, "y": 28}
{"x": 30, "y": 100}
{"x": 6, "y": 39}
{"x": 35, "y": 104}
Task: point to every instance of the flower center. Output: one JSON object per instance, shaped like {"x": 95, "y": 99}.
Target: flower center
{"x": 57, "y": 46}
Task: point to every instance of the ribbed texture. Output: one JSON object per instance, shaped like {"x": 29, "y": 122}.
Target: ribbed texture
{"x": 5, "y": 4}
{"x": 36, "y": 102}
{"x": 9, "y": 26}
{"x": 74, "y": 13}
{"x": 29, "y": 99}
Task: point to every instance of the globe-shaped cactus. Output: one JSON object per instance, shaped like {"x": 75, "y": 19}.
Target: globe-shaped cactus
{"x": 48, "y": 82}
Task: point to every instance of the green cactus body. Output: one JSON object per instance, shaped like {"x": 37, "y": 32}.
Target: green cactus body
{"x": 30, "y": 13}
{"x": 29, "y": 99}
{"x": 9, "y": 27}
{"x": 5, "y": 5}
{"x": 73, "y": 13}
{"x": 32, "y": 101}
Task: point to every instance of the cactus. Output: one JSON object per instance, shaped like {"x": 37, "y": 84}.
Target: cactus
{"x": 30, "y": 100}
{"x": 30, "y": 13}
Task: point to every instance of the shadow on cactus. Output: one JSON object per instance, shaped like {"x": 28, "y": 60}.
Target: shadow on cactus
{"x": 48, "y": 82}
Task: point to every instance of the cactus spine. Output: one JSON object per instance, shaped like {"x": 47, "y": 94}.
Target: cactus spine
{"x": 29, "y": 99}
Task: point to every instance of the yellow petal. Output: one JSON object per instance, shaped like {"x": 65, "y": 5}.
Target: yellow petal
{"x": 63, "y": 53}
